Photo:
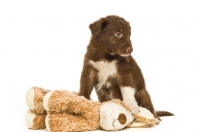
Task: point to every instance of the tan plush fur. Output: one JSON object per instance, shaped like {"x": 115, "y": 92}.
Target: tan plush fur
{"x": 38, "y": 100}
{"x": 39, "y": 121}
{"x": 71, "y": 112}
{"x": 147, "y": 122}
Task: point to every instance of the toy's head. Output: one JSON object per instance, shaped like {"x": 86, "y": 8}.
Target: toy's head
{"x": 113, "y": 116}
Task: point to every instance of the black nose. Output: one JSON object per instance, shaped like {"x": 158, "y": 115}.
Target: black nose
{"x": 129, "y": 50}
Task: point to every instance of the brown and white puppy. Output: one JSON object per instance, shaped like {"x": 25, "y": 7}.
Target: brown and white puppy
{"x": 110, "y": 68}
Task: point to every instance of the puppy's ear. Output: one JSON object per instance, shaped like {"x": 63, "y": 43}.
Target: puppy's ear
{"x": 97, "y": 26}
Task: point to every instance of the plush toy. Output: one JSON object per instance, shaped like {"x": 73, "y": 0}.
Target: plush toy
{"x": 61, "y": 110}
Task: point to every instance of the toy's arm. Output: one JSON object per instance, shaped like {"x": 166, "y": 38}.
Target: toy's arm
{"x": 62, "y": 100}
{"x": 70, "y": 112}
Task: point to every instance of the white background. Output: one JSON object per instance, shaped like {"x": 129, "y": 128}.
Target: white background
{"x": 42, "y": 43}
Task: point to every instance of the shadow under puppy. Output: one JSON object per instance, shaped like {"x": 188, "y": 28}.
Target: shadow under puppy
{"x": 110, "y": 68}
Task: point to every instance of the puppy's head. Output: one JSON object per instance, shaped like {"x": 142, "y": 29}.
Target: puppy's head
{"x": 113, "y": 32}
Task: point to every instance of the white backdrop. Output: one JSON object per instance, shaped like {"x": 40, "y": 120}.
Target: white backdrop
{"x": 42, "y": 43}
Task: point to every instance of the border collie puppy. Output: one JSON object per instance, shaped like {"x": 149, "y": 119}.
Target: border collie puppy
{"x": 110, "y": 68}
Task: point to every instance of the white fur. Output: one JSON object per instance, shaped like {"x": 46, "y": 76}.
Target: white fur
{"x": 109, "y": 114}
{"x": 46, "y": 100}
{"x": 102, "y": 92}
{"x": 112, "y": 54}
{"x": 108, "y": 85}
{"x": 111, "y": 95}
{"x": 29, "y": 117}
{"x": 105, "y": 69}
{"x": 124, "y": 55}
{"x": 108, "y": 95}
{"x": 145, "y": 113}
{"x": 29, "y": 98}
{"x": 129, "y": 99}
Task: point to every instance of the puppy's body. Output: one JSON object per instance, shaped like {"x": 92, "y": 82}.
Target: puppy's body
{"x": 109, "y": 67}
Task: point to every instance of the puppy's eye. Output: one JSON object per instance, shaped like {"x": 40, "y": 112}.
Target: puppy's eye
{"x": 118, "y": 34}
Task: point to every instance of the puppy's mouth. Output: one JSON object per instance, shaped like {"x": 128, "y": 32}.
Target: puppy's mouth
{"x": 123, "y": 53}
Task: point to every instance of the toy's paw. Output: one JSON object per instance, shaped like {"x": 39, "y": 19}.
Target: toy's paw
{"x": 34, "y": 98}
{"x": 113, "y": 116}
{"x": 35, "y": 121}
{"x": 29, "y": 98}
{"x": 46, "y": 100}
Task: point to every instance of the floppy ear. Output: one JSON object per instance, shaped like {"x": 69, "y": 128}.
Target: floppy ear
{"x": 97, "y": 26}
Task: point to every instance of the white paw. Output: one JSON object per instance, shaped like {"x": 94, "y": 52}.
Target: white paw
{"x": 30, "y": 98}
{"x": 133, "y": 106}
{"x": 46, "y": 100}
{"x": 135, "y": 110}
{"x": 129, "y": 99}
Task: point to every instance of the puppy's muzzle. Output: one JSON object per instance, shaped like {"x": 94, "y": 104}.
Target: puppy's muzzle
{"x": 129, "y": 50}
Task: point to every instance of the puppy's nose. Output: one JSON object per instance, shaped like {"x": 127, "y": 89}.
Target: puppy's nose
{"x": 129, "y": 50}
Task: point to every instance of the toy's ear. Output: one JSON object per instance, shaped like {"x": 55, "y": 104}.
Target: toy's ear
{"x": 97, "y": 26}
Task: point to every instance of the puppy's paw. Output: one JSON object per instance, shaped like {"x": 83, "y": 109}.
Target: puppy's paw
{"x": 134, "y": 108}
{"x": 158, "y": 120}
{"x": 129, "y": 99}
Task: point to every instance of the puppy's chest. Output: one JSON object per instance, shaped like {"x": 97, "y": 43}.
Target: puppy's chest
{"x": 106, "y": 72}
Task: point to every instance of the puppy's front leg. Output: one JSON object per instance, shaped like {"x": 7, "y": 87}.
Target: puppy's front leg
{"x": 87, "y": 82}
{"x": 128, "y": 94}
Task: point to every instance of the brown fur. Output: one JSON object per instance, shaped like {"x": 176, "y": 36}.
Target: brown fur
{"x": 105, "y": 46}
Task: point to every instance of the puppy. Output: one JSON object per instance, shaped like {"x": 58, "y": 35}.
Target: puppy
{"x": 110, "y": 68}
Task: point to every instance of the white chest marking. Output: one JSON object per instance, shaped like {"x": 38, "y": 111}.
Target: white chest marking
{"x": 105, "y": 69}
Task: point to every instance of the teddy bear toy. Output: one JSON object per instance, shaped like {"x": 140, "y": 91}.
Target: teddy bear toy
{"x": 61, "y": 111}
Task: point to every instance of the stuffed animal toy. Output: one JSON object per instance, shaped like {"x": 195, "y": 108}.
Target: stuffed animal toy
{"x": 61, "y": 110}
